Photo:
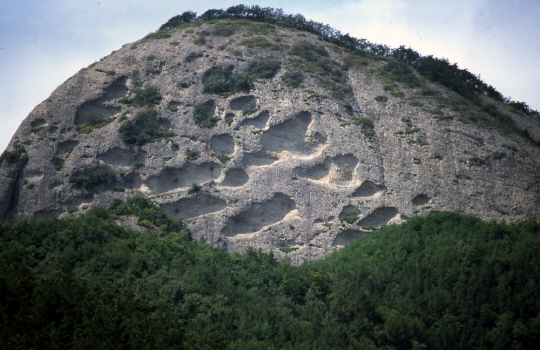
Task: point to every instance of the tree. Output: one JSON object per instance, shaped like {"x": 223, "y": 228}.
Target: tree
{"x": 186, "y": 17}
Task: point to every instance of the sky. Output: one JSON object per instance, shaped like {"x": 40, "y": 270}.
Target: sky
{"x": 44, "y": 42}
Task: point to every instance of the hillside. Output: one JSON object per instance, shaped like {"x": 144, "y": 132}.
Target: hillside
{"x": 440, "y": 281}
{"x": 291, "y": 138}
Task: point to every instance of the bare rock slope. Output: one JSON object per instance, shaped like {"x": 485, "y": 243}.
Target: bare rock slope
{"x": 261, "y": 136}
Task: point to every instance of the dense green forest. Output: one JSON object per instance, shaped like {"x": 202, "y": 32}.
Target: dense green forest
{"x": 441, "y": 281}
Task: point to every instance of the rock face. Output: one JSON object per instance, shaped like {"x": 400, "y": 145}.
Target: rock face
{"x": 298, "y": 170}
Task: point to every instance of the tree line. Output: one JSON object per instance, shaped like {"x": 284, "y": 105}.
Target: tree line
{"x": 443, "y": 280}
{"x": 435, "y": 69}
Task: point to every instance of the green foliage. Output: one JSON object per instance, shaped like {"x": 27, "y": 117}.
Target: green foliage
{"x": 221, "y": 157}
{"x": 367, "y": 126}
{"x": 415, "y": 103}
{"x": 145, "y": 128}
{"x": 59, "y": 310}
{"x": 204, "y": 116}
{"x": 349, "y": 219}
{"x": 356, "y": 60}
{"x": 259, "y": 42}
{"x": 223, "y": 81}
{"x": 438, "y": 281}
{"x": 328, "y": 74}
{"x": 11, "y": 157}
{"x": 194, "y": 188}
{"x": 192, "y": 154}
{"x": 401, "y": 72}
{"x": 162, "y": 34}
{"x": 147, "y": 212}
{"x": 137, "y": 165}
{"x": 93, "y": 121}
{"x": 176, "y": 21}
{"x": 110, "y": 73}
{"x": 90, "y": 177}
{"x": 226, "y": 28}
{"x": 143, "y": 96}
{"x": 250, "y": 107}
{"x": 263, "y": 69}
{"x": 308, "y": 51}
{"x": 381, "y": 98}
{"x": 293, "y": 79}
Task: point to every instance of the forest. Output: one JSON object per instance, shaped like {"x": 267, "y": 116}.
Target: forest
{"x": 439, "y": 281}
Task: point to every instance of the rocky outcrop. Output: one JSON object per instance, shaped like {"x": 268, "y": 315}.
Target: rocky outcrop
{"x": 297, "y": 170}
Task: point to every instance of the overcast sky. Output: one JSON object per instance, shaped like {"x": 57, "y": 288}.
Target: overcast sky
{"x": 44, "y": 42}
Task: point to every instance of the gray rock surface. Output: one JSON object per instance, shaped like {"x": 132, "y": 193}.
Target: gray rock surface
{"x": 302, "y": 178}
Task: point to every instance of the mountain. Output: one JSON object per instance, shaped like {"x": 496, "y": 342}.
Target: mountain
{"x": 264, "y": 130}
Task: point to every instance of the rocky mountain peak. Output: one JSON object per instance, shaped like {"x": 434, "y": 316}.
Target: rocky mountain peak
{"x": 266, "y": 136}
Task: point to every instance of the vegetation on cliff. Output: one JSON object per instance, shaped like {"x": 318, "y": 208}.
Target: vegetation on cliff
{"x": 435, "y": 69}
{"x": 440, "y": 281}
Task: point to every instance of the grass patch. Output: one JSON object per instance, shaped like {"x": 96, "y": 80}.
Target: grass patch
{"x": 148, "y": 96}
{"x": 222, "y": 80}
{"x": 194, "y": 188}
{"x": 226, "y": 28}
{"x": 381, "y": 98}
{"x": 93, "y": 121}
{"x": 293, "y": 79}
{"x": 204, "y": 116}
{"x": 249, "y": 108}
{"x": 192, "y": 155}
{"x": 258, "y": 42}
{"x": 11, "y": 157}
{"x": 263, "y": 69}
{"x": 221, "y": 157}
{"x": 400, "y": 72}
{"x": 367, "y": 126}
{"x": 145, "y": 128}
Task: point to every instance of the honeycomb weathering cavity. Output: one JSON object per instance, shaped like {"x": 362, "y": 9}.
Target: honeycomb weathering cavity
{"x": 190, "y": 207}
{"x": 189, "y": 174}
{"x": 291, "y": 136}
{"x": 259, "y": 215}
